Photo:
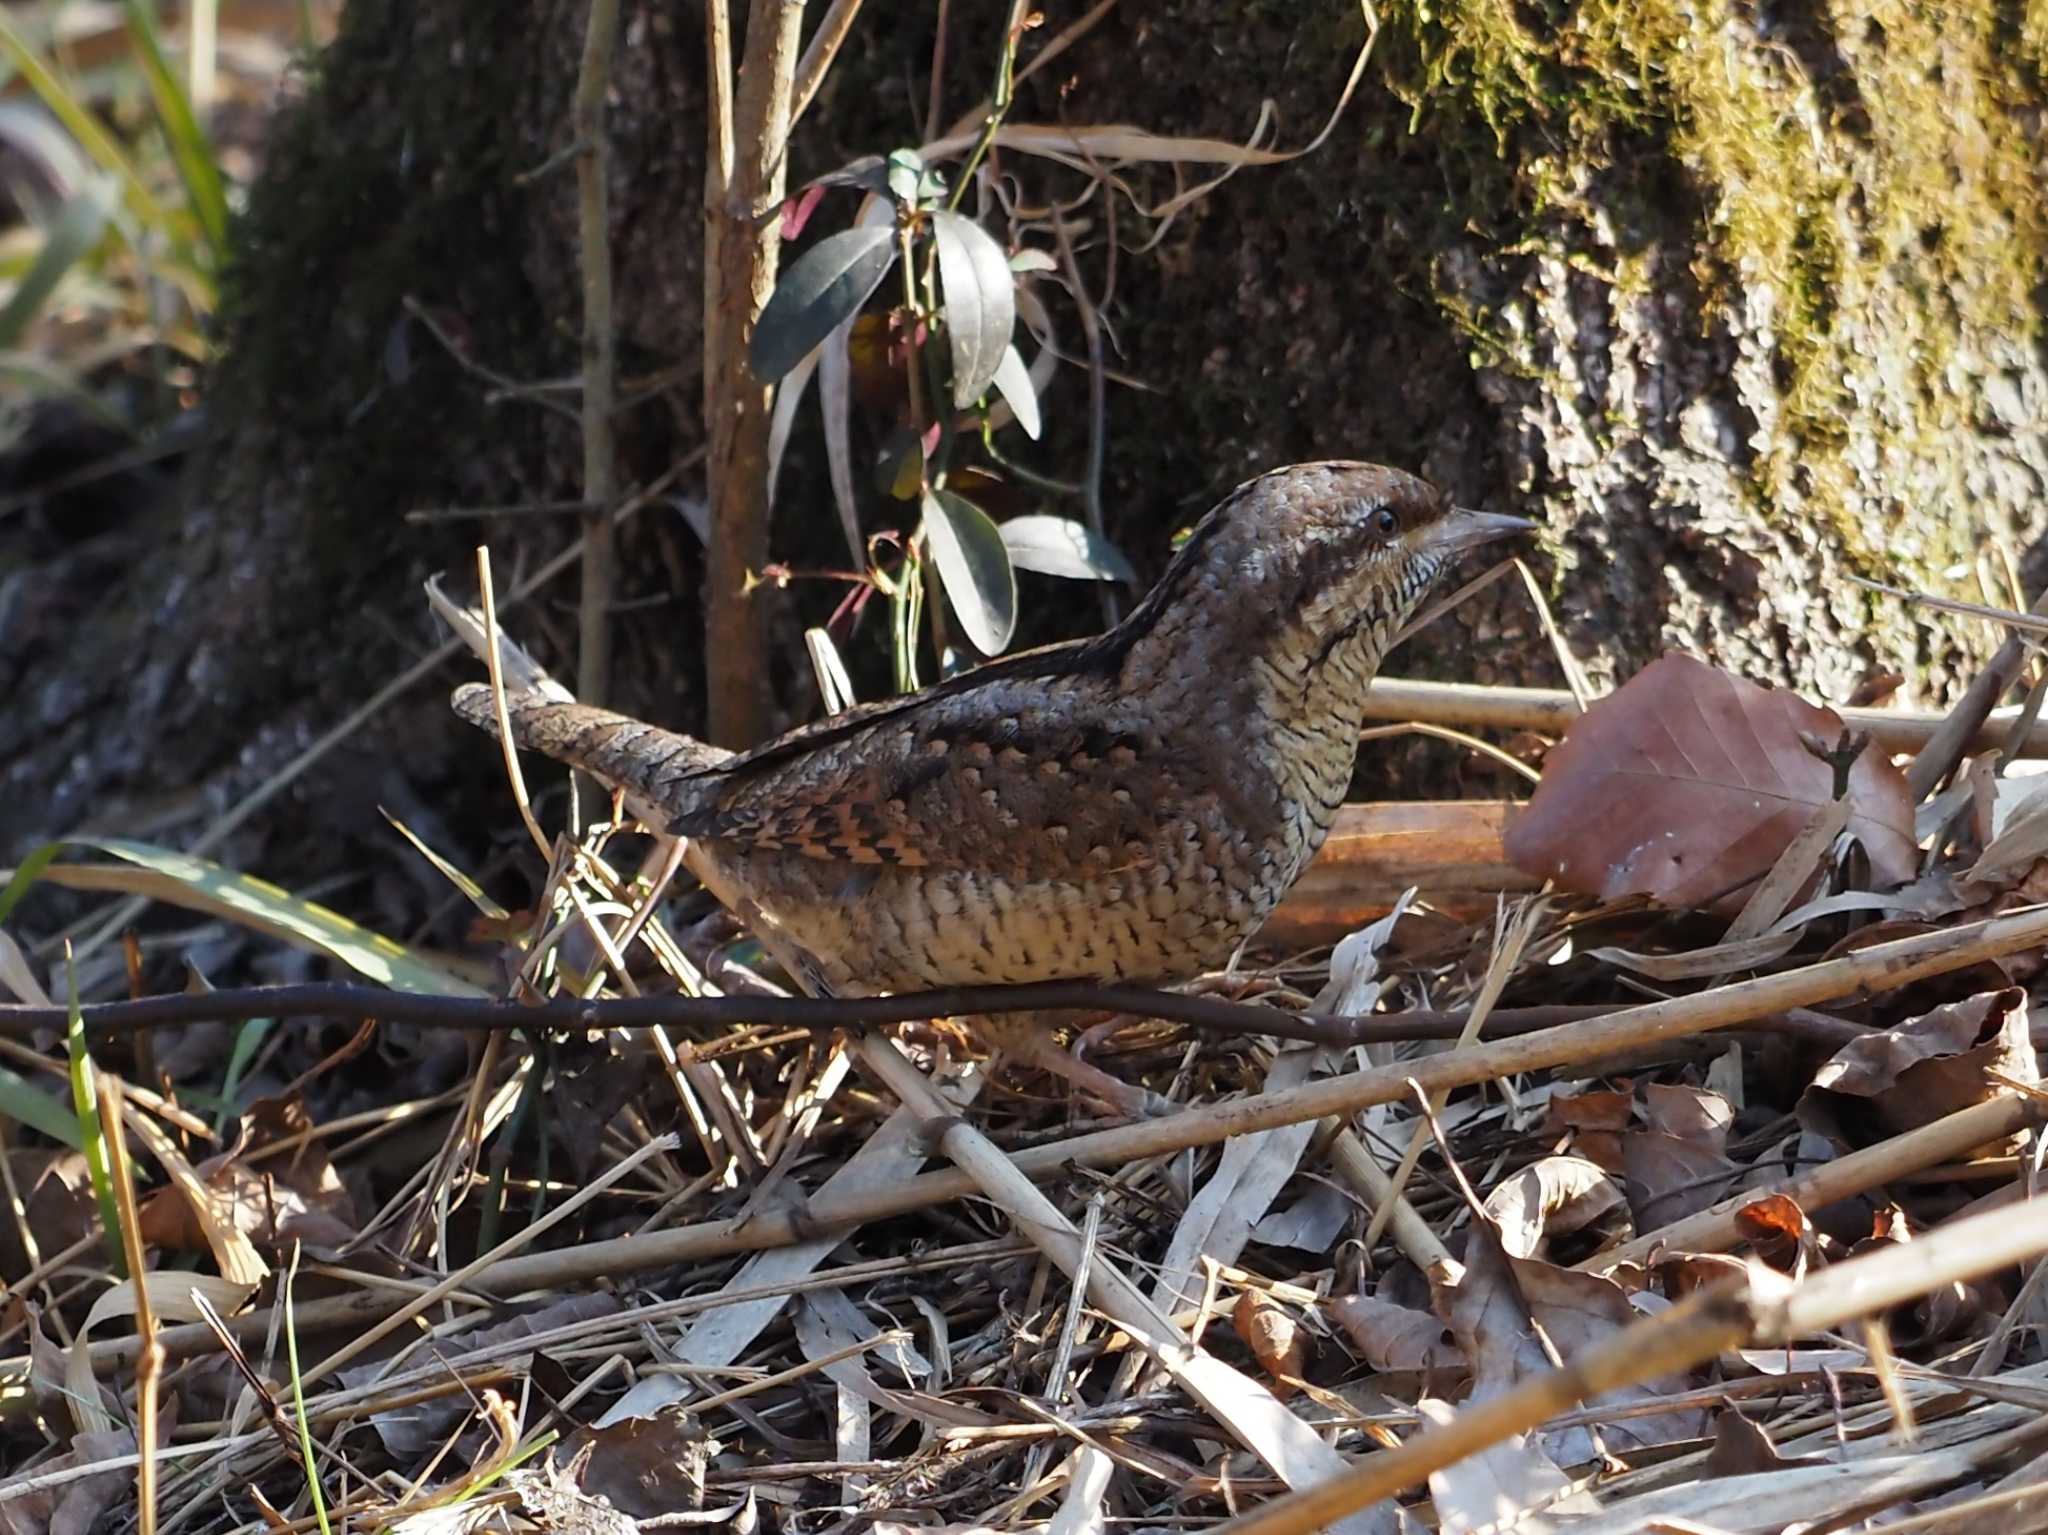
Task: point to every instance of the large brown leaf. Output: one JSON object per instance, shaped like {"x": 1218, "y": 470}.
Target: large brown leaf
{"x": 1688, "y": 782}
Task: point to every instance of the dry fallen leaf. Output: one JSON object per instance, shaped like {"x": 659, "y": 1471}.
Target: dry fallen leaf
{"x": 1688, "y": 783}
{"x": 1489, "y": 1311}
{"x": 1390, "y": 1337}
{"x": 1271, "y": 1332}
{"x": 1927, "y": 1067}
{"x": 1551, "y": 1197}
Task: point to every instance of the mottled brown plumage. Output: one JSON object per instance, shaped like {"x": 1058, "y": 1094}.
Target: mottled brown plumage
{"x": 1128, "y": 807}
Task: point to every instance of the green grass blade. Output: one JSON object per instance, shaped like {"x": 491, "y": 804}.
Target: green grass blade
{"x": 191, "y": 149}
{"x": 197, "y": 884}
{"x": 30, "y": 871}
{"x": 83, "y": 126}
{"x": 21, "y": 1100}
{"x": 248, "y": 1040}
{"x": 291, "y": 1348}
{"x": 91, "y": 1133}
{"x": 72, "y": 234}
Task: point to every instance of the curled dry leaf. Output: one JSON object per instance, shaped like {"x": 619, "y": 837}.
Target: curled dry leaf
{"x": 1272, "y": 1333}
{"x": 1551, "y": 1197}
{"x": 273, "y": 1201}
{"x": 1688, "y": 783}
{"x": 1928, "y": 1067}
{"x": 1779, "y": 1232}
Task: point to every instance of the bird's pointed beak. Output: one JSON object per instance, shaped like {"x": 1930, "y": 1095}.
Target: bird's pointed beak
{"x": 1460, "y": 529}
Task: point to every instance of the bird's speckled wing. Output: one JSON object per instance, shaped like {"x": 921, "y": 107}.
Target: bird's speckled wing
{"x": 1038, "y": 778}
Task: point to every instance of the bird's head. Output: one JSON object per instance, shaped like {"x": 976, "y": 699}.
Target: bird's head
{"x": 1328, "y": 559}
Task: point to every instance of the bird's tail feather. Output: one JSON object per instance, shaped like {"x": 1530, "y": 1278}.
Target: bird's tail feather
{"x": 652, "y": 765}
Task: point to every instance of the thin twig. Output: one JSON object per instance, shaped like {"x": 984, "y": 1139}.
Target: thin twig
{"x": 818, "y": 54}
{"x": 1965, "y": 722}
{"x": 1510, "y": 940}
{"x": 1719, "y": 1227}
{"x": 742, "y": 247}
{"x": 600, "y": 379}
{"x": 1881, "y": 967}
{"x": 1098, "y": 405}
{"x": 351, "y": 725}
{"x": 321, "y": 999}
{"x": 501, "y": 710}
{"x": 417, "y": 1304}
{"x": 1761, "y": 1307}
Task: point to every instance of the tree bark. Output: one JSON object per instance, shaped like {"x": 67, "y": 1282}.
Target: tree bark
{"x": 1740, "y": 306}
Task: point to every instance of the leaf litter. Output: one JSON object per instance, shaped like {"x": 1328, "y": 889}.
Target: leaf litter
{"x": 1252, "y": 1298}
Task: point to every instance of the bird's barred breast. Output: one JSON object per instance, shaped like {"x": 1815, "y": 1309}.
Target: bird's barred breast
{"x": 1176, "y": 912}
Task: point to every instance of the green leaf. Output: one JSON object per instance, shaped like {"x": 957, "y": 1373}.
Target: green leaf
{"x": 1060, "y": 546}
{"x": 912, "y": 182}
{"x": 1013, "y": 383}
{"x": 91, "y": 1133}
{"x": 461, "y": 881}
{"x": 981, "y": 301}
{"x": 1031, "y": 259}
{"x": 974, "y": 568}
{"x": 906, "y": 172}
{"x": 30, "y": 871}
{"x": 199, "y": 885}
{"x": 827, "y": 284}
{"x": 25, "y": 1103}
{"x": 190, "y": 148}
{"x": 72, "y": 234}
{"x": 248, "y": 1040}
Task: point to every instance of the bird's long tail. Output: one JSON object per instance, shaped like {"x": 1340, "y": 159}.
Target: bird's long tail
{"x": 651, "y": 765}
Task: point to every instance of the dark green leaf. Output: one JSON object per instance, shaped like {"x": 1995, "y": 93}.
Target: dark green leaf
{"x": 974, "y": 568}
{"x": 869, "y": 172}
{"x": 1060, "y": 546}
{"x": 981, "y": 302}
{"x": 827, "y": 284}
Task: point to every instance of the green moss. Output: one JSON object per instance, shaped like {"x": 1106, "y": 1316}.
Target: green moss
{"x": 1876, "y": 178}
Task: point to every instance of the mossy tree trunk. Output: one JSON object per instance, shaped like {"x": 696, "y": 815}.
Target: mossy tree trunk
{"x": 1741, "y": 302}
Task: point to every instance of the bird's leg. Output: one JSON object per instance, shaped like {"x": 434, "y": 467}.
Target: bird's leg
{"x": 1028, "y": 1040}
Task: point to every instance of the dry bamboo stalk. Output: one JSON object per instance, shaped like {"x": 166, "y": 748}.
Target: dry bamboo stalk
{"x": 1879, "y": 968}
{"x": 1353, "y": 1161}
{"x": 1548, "y": 710}
{"x": 1715, "y": 1228}
{"x": 1449, "y": 850}
{"x": 1763, "y": 1308}
{"x": 1242, "y": 1406}
{"x": 412, "y": 1305}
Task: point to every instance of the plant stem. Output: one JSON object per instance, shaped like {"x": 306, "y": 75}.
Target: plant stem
{"x": 1006, "y": 78}
{"x": 742, "y": 245}
{"x": 600, "y": 468}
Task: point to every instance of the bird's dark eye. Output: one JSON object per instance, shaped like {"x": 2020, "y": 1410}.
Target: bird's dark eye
{"x": 1388, "y": 521}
